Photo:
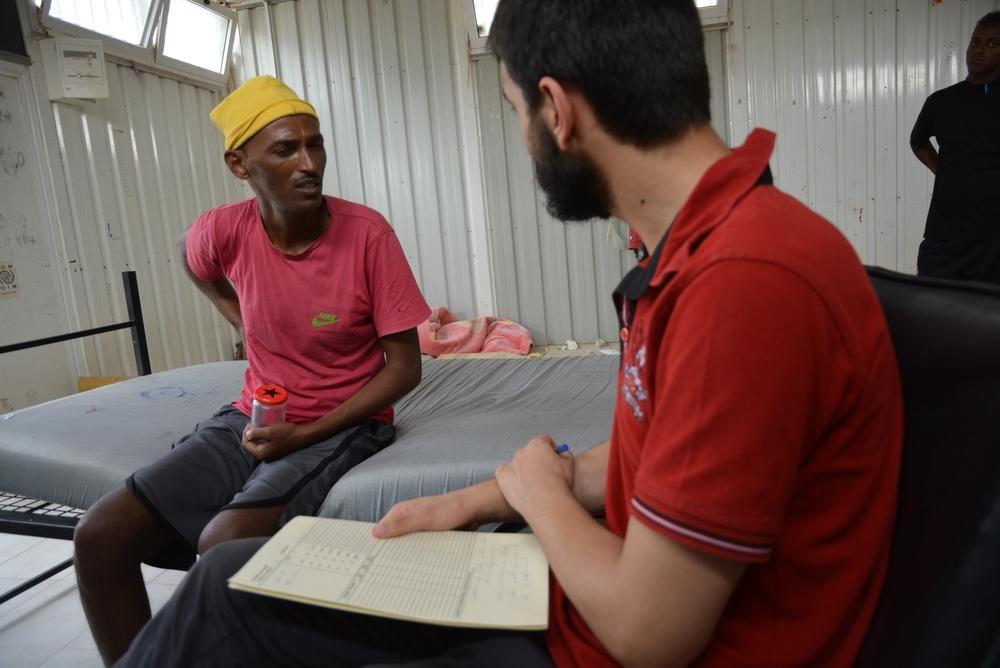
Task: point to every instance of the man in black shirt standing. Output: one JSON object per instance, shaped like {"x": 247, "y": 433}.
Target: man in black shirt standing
{"x": 962, "y": 236}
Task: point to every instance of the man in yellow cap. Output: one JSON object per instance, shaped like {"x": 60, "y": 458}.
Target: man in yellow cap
{"x": 322, "y": 294}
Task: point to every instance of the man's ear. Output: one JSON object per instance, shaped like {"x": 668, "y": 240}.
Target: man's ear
{"x": 235, "y": 161}
{"x": 557, "y": 111}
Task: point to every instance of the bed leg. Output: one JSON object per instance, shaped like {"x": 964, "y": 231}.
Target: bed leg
{"x": 38, "y": 579}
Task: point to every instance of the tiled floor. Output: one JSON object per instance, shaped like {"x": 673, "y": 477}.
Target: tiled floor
{"x": 45, "y": 626}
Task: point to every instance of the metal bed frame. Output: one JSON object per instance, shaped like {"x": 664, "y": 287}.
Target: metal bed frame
{"x": 34, "y": 517}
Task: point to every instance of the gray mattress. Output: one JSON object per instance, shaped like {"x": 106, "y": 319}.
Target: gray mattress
{"x": 465, "y": 417}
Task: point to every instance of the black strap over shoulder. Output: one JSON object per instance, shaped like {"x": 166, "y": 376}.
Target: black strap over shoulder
{"x": 636, "y": 282}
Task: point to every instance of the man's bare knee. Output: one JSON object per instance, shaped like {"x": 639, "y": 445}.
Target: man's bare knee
{"x": 239, "y": 523}
{"x": 118, "y": 527}
{"x": 213, "y": 535}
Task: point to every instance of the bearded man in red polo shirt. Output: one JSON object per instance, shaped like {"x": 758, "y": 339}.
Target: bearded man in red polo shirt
{"x": 749, "y": 485}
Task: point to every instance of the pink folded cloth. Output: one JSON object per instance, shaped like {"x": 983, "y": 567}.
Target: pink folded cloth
{"x": 443, "y": 333}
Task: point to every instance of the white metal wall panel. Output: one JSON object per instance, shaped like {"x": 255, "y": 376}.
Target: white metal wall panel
{"x": 842, "y": 82}
{"x": 33, "y": 308}
{"x": 554, "y": 278}
{"x": 253, "y": 51}
{"x": 127, "y": 175}
{"x": 715, "y": 57}
{"x": 385, "y": 84}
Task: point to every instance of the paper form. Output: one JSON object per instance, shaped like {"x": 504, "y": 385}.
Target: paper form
{"x": 453, "y": 578}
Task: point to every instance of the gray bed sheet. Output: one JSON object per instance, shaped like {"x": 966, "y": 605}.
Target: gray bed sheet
{"x": 76, "y": 449}
{"x": 466, "y": 416}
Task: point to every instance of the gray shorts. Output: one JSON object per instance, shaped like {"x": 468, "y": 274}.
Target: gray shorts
{"x": 209, "y": 470}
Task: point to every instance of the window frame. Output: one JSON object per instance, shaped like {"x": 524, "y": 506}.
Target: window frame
{"x": 715, "y": 17}
{"x": 188, "y": 68}
{"x": 477, "y": 44}
{"x": 148, "y": 56}
{"x": 112, "y": 45}
{"x": 711, "y": 18}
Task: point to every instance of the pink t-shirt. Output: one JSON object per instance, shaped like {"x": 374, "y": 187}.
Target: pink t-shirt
{"x": 311, "y": 321}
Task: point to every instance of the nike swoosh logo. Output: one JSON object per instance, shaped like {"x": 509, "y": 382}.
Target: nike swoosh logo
{"x": 324, "y": 320}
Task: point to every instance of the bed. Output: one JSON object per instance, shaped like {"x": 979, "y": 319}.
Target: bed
{"x": 58, "y": 458}
{"x": 466, "y": 416}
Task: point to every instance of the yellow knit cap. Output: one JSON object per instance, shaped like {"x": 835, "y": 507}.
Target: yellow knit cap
{"x": 257, "y": 103}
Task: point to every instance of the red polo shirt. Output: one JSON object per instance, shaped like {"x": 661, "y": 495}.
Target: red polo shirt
{"x": 759, "y": 418}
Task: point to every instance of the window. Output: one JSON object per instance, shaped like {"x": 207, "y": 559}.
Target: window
{"x": 714, "y": 13}
{"x": 485, "y": 9}
{"x": 125, "y": 20}
{"x": 479, "y": 15}
{"x": 193, "y": 37}
{"x": 197, "y": 34}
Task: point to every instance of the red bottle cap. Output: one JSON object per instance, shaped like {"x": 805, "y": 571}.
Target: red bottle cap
{"x": 270, "y": 395}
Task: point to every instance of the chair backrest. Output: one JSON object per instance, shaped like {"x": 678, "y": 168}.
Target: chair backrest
{"x": 940, "y": 605}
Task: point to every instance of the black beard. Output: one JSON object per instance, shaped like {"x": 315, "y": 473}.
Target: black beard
{"x": 575, "y": 189}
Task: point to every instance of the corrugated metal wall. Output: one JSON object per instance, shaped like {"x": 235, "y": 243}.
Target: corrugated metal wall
{"x": 842, "y": 82}
{"x": 30, "y": 302}
{"x": 554, "y": 278}
{"x": 125, "y": 176}
{"x": 385, "y": 81}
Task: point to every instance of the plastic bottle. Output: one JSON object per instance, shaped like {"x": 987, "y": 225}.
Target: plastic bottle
{"x": 269, "y": 403}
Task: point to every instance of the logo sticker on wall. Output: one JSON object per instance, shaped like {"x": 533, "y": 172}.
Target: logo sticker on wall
{"x": 8, "y": 280}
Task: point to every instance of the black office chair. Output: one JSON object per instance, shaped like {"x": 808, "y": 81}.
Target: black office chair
{"x": 940, "y": 605}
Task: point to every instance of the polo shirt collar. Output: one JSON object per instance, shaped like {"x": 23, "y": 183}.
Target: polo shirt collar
{"x": 725, "y": 183}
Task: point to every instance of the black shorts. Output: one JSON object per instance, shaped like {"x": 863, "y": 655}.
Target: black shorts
{"x": 209, "y": 470}
{"x": 960, "y": 259}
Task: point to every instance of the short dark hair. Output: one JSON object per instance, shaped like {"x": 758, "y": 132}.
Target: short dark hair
{"x": 640, "y": 63}
{"x": 989, "y": 19}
